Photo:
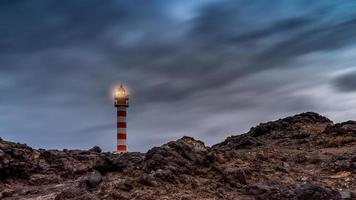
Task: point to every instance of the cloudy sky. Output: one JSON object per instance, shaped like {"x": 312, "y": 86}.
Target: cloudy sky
{"x": 204, "y": 68}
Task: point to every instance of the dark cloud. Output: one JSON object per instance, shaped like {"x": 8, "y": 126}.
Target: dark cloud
{"x": 35, "y": 26}
{"x": 280, "y": 27}
{"x": 346, "y": 83}
{"x": 322, "y": 38}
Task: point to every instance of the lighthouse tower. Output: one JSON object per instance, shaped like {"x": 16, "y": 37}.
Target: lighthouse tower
{"x": 121, "y": 103}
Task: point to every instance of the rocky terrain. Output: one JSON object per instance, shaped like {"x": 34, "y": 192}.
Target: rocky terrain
{"x": 304, "y": 157}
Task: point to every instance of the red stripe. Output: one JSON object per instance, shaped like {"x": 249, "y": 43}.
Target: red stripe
{"x": 121, "y": 136}
{"x": 121, "y": 124}
{"x": 121, "y": 148}
{"x": 121, "y": 113}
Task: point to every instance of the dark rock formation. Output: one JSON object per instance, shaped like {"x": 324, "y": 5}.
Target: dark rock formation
{"x": 314, "y": 192}
{"x": 301, "y": 157}
{"x": 185, "y": 155}
{"x": 235, "y": 176}
{"x": 289, "y": 124}
{"x": 92, "y": 179}
{"x": 95, "y": 149}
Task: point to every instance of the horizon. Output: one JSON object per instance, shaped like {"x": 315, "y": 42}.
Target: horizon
{"x": 206, "y": 69}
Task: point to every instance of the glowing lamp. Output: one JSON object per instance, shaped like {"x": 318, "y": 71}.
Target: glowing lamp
{"x": 121, "y": 97}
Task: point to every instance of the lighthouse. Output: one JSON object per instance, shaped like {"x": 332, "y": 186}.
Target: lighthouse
{"x": 121, "y": 104}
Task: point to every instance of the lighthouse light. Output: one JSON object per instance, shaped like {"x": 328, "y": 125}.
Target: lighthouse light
{"x": 121, "y": 92}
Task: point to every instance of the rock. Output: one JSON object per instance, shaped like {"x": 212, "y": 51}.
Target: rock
{"x": 15, "y": 161}
{"x": 300, "y": 158}
{"x": 353, "y": 195}
{"x": 24, "y": 191}
{"x": 96, "y": 149}
{"x": 164, "y": 175}
{"x": 119, "y": 196}
{"x": 277, "y": 192}
{"x": 148, "y": 179}
{"x": 284, "y": 167}
{"x": 300, "y": 135}
{"x": 35, "y": 155}
{"x": 342, "y": 174}
{"x": 74, "y": 194}
{"x": 288, "y": 124}
{"x": 181, "y": 156}
{"x": 124, "y": 185}
{"x": 339, "y": 135}
{"x": 92, "y": 179}
{"x": 353, "y": 159}
{"x": 307, "y": 118}
{"x": 37, "y": 179}
{"x": 257, "y": 189}
{"x": 7, "y": 193}
{"x": 352, "y": 166}
{"x": 240, "y": 142}
{"x": 339, "y": 157}
{"x": 234, "y": 176}
{"x": 346, "y": 194}
{"x": 315, "y": 192}
{"x": 304, "y": 179}
{"x": 303, "y": 192}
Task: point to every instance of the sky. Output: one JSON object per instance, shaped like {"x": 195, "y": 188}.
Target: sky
{"x": 204, "y": 68}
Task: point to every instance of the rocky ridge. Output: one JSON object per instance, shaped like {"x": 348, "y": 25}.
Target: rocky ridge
{"x": 302, "y": 157}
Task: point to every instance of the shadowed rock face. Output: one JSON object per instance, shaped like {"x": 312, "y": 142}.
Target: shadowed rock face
{"x": 305, "y": 156}
{"x": 289, "y": 125}
{"x": 184, "y": 155}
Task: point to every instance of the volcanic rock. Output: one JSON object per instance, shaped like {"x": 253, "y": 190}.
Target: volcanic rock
{"x": 182, "y": 156}
{"x": 74, "y": 194}
{"x": 301, "y": 157}
{"x": 315, "y": 192}
{"x": 235, "y": 176}
{"x": 124, "y": 185}
{"x": 96, "y": 149}
{"x": 93, "y": 179}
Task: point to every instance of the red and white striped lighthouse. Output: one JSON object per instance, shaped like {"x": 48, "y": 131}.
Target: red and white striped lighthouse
{"x": 121, "y": 103}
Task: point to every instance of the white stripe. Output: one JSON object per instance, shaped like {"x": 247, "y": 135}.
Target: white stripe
{"x": 121, "y": 130}
{"x": 121, "y": 118}
{"x": 121, "y": 108}
{"x": 121, "y": 142}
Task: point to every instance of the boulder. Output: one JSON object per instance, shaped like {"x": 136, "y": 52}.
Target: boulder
{"x": 314, "y": 192}
{"x": 183, "y": 156}
{"x": 92, "y": 179}
{"x": 345, "y": 128}
{"x": 95, "y": 149}
{"x": 15, "y": 160}
{"x": 234, "y": 176}
{"x": 346, "y": 194}
{"x": 148, "y": 180}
